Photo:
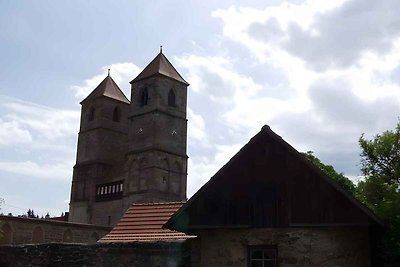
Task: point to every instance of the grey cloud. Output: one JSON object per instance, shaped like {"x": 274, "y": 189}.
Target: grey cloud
{"x": 267, "y": 31}
{"x": 335, "y": 102}
{"x": 343, "y": 35}
{"x": 395, "y": 75}
{"x": 335, "y": 146}
{"x": 335, "y": 122}
{"x": 213, "y": 84}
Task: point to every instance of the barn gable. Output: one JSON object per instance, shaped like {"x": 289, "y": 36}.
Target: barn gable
{"x": 270, "y": 184}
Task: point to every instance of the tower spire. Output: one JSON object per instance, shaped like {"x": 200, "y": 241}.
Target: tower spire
{"x": 108, "y": 72}
{"x": 160, "y": 49}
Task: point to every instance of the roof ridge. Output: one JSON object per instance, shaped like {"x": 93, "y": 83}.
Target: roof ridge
{"x": 162, "y": 66}
{"x": 266, "y": 130}
{"x": 108, "y": 88}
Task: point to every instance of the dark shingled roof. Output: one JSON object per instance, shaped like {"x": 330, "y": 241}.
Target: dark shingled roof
{"x": 109, "y": 89}
{"x": 160, "y": 65}
{"x": 143, "y": 222}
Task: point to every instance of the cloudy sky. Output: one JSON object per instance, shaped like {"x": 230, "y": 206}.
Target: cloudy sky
{"x": 320, "y": 73}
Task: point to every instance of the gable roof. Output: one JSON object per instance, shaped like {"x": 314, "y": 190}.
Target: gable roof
{"x": 143, "y": 222}
{"x": 160, "y": 65}
{"x": 109, "y": 89}
{"x": 245, "y": 152}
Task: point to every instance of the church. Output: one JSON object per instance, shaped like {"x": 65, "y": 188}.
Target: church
{"x": 268, "y": 206}
{"x": 131, "y": 151}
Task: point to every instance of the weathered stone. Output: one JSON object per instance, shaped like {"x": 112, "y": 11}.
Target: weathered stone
{"x": 339, "y": 246}
{"x": 115, "y": 255}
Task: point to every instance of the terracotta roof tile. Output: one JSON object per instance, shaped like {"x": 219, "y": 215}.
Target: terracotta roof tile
{"x": 144, "y": 222}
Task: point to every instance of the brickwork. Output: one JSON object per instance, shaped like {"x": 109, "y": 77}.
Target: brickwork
{"x": 322, "y": 246}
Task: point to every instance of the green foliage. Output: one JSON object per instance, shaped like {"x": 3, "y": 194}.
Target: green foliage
{"x": 342, "y": 180}
{"x": 381, "y": 156}
{"x": 380, "y": 164}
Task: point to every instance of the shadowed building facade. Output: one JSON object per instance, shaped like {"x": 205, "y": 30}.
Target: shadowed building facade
{"x": 131, "y": 151}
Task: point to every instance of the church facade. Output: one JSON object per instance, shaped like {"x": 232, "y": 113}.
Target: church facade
{"x": 131, "y": 151}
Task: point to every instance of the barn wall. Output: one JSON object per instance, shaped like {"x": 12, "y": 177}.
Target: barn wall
{"x": 340, "y": 246}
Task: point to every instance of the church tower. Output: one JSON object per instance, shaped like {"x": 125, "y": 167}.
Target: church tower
{"x": 131, "y": 151}
{"x": 102, "y": 145}
{"x": 157, "y": 159}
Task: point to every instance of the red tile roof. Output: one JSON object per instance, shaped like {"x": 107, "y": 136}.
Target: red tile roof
{"x": 143, "y": 222}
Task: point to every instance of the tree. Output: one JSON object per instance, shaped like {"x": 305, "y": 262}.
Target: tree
{"x": 380, "y": 165}
{"x": 342, "y": 180}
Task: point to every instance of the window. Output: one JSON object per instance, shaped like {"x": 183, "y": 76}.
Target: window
{"x": 144, "y": 98}
{"x": 109, "y": 191}
{"x": 171, "y": 98}
{"x": 117, "y": 114}
{"x": 262, "y": 256}
{"x": 91, "y": 114}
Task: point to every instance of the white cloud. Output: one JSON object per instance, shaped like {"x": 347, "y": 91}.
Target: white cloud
{"x": 37, "y": 141}
{"x": 201, "y": 167}
{"x": 196, "y": 127}
{"x": 216, "y": 77}
{"x": 11, "y": 132}
{"x": 39, "y": 122}
{"x": 122, "y": 74}
{"x": 339, "y": 61}
{"x": 58, "y": 171}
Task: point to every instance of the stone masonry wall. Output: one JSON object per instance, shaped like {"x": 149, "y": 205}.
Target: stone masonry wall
{"x": 157, "y": 254}
{"x": 28, "y": 231}
{"x": 322, "y": 246}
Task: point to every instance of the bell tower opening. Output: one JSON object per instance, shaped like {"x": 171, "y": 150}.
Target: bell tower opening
{"x": 144, "y": 98}
{"x": 171, "y": 98}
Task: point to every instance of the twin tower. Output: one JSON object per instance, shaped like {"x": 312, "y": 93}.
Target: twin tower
{"x": 131, "y": 151}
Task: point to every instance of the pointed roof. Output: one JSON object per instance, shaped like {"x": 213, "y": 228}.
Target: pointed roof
{"x": 256, "y": 147}
{"x": 109, "y": 89}
{"x": 160, "y": 65}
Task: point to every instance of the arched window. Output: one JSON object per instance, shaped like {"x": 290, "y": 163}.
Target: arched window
{"x": 117, "y": 114}
{"x": 37, "y": 235}
{"x": 91, "y": 114}
{"x": 144, "y": 98}
{"x": 171, "y": 98}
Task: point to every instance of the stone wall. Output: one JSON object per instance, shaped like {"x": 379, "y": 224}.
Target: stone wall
{"x": 157, "y": 254}
{"x": 20, "y": 230}
{"x": 319, "y": 246}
